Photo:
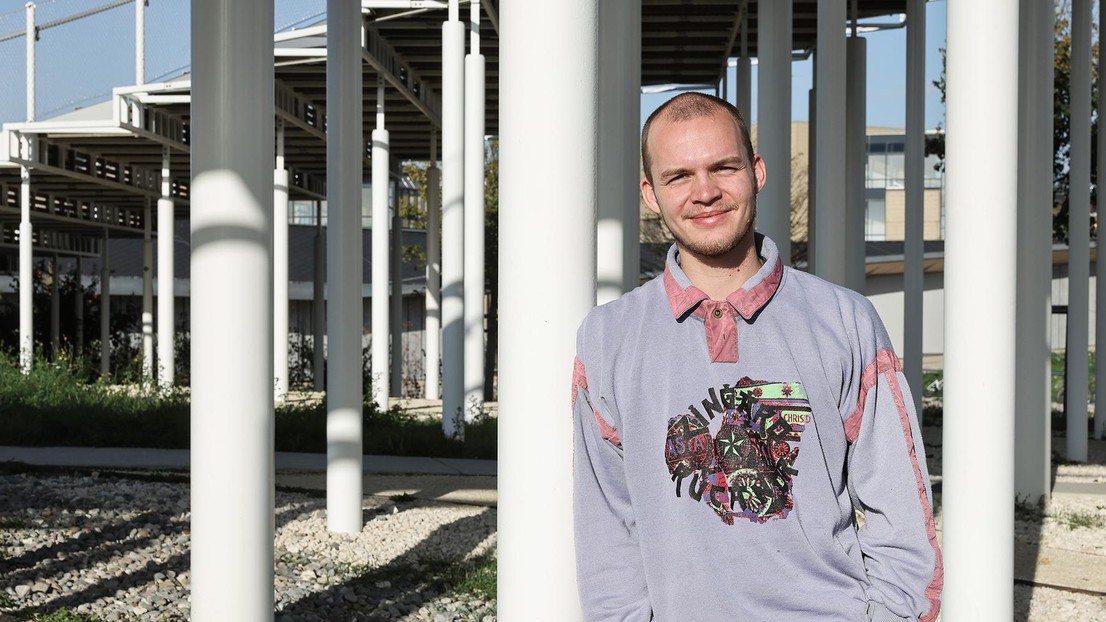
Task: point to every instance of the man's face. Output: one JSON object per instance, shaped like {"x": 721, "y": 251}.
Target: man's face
{"x": 704, "y": 186}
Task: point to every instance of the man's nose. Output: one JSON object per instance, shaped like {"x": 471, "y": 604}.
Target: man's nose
{"x": 706, "y": 189}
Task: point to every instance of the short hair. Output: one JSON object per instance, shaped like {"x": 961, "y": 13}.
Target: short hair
{"x": 687, "y": 106}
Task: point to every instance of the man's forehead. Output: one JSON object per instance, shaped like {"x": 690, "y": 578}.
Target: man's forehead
{"x": 719, "y": 128}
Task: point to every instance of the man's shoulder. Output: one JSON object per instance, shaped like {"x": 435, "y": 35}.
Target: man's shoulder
{"x": 612, "y": 318}
{"x": 819, "y": 293}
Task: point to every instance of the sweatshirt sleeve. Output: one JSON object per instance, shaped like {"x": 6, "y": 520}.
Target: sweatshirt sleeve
{"x": 609, "y": 572}
{"x": 889, "y": 482}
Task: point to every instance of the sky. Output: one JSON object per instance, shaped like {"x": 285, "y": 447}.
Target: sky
{"x": 79, "y": 63}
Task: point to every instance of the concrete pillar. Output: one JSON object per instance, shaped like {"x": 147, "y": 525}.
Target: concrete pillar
{"x": 380, "y": 259}
{"x": 619, "y": 155}
{"x": 345, "y": 147}
{"x": 147, "y": 294}
{"x": 105, "y": 307}
{"x": 1033, "y": 401}
{"x": 166, "y": 273}
{"x": 140, "y": 42}
{"x": 433, "y": 341}
{"x": 26, "y": 270}
{"x": 829, "y": 188}
{"x": 474, "y": 222}
{"x": 744, "y": 95}
{"x": 395, "y": 300}
{"x": 855, "y": 156}
{"x": 232, "y": 320}
{"x": 547, "y": 131}
{"x": 1079, "y": 218}
{"x": 980, "y": 256}
{"x": 913, "y": 255}
{"x": 453, "y": 222}
{"x": 811, "y": 177}
{"x": 1100, "y": 243}
{"x": 318, "y": 302}
{"x": 280, "y": 269}
{"x": 774, "y": 122}
{"x": 55, "y": 309}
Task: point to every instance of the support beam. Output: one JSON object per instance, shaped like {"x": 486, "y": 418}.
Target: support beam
{"x": 1100, "y": 243}
{"x": 232, "y": 320}
{"x": 829, "y": 187}
{"x": 537, "y": 578}
{"x": 166, "y": 277}
{"x": 78, "y": 307}
{"x": 55, "y": 309}
{"x": 1033, "y": 401}
{"x": 914, "y": 164}
{"x": 148, "y": 295}
{"x": 774, "y": 122}
{"x": 453, "y": 222}
{"x": 744, "y": 95}
{"x": 395, "y": 297}
{"x": 140, "y": 42}
{"x": 105, "y": 307}
{"x": 433, "y": 340}
{"x": 380, "y": 258}
{"x": 980, "y": 256}
{"x": 855, "y": 156}
{"x": 474, "y": 222}
{"x": 26, "y": 273}
{"x": 318, "y": 342}
{"x": 344, "y": 151}
{"x": 280, "y": 269}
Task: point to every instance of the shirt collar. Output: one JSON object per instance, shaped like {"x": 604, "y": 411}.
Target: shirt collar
{"x": 747, "y": 301}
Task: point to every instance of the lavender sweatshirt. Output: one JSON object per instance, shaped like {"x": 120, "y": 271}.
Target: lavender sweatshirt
{"x": 722, "y": 446}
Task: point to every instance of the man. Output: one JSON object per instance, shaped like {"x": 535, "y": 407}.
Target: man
{"x": 731, "y": 414}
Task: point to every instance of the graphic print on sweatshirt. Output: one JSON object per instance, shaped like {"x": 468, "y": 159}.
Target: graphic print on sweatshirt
{"x": 744, "y": 469}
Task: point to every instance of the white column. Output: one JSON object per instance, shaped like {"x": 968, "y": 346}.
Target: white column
{"x": 774, "y": 122}
{"x": 980, "y": 255}
{"x": 538, "y": 108}
{"x": 855, "y": 155}
{"x": 474, "y": 222}
{"x": 147, "y": 293}
{"x": 380, "y": 259}
{"x": 26, "y": 271}
{"x": 140, "y": 42}
{"x": 30, "y": 37}
{"x": 619, "y": 127}
{"x": 744, "y": 95}
{"x": 318, "y": 360}
{"x": 1033, "y": 437}
{"x": 105, "y": 308}
{"x": 395, "y": 300}
{"x": 55, "y": 309}
{"x": 1079, "y": 214}
{"x": 913, "y": 278}
{"x": 453, "y": 222}
{"x": 232, "y": 320}
{"x": 280, "y": 269}
{"x": 829, "y": 188}
{"x": 433, "y": 341}
{"x": 344, "y": 152}
{"x": 1100, "y": 239}
{"x": 166, "y": 273}
{"x": 812, "y": 173}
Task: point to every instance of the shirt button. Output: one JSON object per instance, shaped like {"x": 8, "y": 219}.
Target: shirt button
{"x": 717, "y": 312}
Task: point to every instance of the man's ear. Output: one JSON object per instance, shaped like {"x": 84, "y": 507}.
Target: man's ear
{"x": 759, "y": 172}
{"x": 649, "y": 195}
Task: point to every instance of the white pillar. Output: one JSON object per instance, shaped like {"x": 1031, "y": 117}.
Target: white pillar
{"x": 232, "y": 320}
{"x": 318, "y": 359}
{"x": 980, "y": 255}
{"x": 1079, "y": 215}
{"x": 166, "y": 273}
{"x": 380, "y": 259}
{"x": 453, "y": 222}
{"x": 474, "y": 222}
{"x": 26, "y": 272}
{"x": 1100, "y": 238}
{"x": 105, "y": 308}
{"x": 619, "y": 136}
{"x": 344, "y": 152}
{"x": 913, "y": 277}
{"x": 280, "y": 269}
{"x": 433, "y": 341}
{"x": 30, "y": 37}
{"x": 395, "y": 300}
{"x": 147, "y": 294}
{"x": 1033, "y": 402}
{"x": 140, "y": 42}
{"x": 855, "y": 156}
{"x": 744, "y": 95}
{"x": 774, "y": 122}
{"x": 536, "y": 561}
{"x": 55, "y": 309}
{"x": 829, "y": 188}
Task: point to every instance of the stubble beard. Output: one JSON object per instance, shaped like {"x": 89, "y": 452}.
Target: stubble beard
{"x": 719, "y": 248}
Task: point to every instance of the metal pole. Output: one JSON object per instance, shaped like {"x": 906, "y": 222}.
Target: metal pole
{"x": 395, "y": 295}
{"x": 1100, "y": 238}
{"x": 32, "y": 37}
{"x": 474, "y": 222}
{"x": 631, "y": 140}
{"x": 140, "y": 41}
{"x": 166, "y": 273}
{"x": 1079, "y": 218}
{"x": 26, "y": 269}
{"x": 280, "y": 269}
{"x": 433, "y": 273}
{"x": 147, "y": 294}
{"x": 980, "y": 256}
{"x": 232, "y": 319}
{"x": 855, "y": 156}
{"x": 829, "y": 187}
{"x": 55, "y": 309}
{"x": 537, "y": 572}
{"x": 453, "y": 222}
{"x": 78, "y": 309}
{"x": 105, "y": 308}
{"x": 380, "y": 259}
{"x": 774, "y": 121}
{"x": 914, "y": 163}
{"x": 745, "y": 69}
{"x": 345, "y": 148}
{"x": 318, "y": 349}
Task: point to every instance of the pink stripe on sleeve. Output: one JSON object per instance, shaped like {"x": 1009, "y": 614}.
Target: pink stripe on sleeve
{"x": 580, "y": 381}
{"x": 885, "y": 361}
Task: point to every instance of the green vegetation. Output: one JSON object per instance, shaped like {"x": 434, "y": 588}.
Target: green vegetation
{"x": 1076, "y": 520}
{"x": 477, "y": 578}
{"x": 57, "y": 404}
{"x": 63, "y": 615}
{"x": 12, "y": 522}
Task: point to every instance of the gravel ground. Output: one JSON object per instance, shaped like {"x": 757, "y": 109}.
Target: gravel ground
{"x": 118, "y": 549}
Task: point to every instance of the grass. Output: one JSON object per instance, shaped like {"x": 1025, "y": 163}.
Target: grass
{"x": 12, "y": 522}
{"x": 476, "y": 577}
{"x": 63, "y": 615}
{"x": 1082, "y": 520}
{"x": 56, "y": 404}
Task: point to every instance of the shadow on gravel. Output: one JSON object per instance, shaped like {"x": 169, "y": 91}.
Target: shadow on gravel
{"x": 405, "y": 583}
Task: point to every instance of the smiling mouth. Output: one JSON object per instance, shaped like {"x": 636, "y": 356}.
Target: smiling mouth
{"x": 705, "y": 216}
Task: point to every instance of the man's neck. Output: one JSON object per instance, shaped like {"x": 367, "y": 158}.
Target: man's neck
{"x": 719, "y": 277}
